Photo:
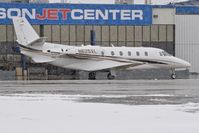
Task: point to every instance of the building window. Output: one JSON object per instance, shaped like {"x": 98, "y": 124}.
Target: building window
{"x": 129, "y": 53}
{"x": 121, "y": 53}
{"x": 138, "y": 53}
{"x": 146, "y": 53}
{"x": 112, "y": 53}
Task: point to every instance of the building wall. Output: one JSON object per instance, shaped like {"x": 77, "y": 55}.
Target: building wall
{"x": 164, "y": 15}
{"x": 161, "y": 36}
{"x": 187, "y": 40}
{"x": 5, "y": 0}
{"x": 155, "y": 35}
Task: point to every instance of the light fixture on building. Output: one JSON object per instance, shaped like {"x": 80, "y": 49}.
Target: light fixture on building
{"x": 124, "y": 1}
{"x": 148, "y": 2}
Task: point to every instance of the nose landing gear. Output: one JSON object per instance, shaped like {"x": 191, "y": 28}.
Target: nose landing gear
{"x": 173, "y": 74}
{"x": 110, "y": 76}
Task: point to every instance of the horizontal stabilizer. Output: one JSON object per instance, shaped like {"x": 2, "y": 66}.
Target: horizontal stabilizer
{"x": 38, "y": 42}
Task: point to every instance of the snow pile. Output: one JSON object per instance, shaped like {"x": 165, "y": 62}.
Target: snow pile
{"x": 60, "y": 114}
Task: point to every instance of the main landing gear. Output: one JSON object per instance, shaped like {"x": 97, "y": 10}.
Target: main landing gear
{"x": 173, "y": 74}
{"x": 92, "y": 76}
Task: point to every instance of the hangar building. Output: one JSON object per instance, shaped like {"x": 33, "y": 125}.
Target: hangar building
{"x": 172, "y": 28}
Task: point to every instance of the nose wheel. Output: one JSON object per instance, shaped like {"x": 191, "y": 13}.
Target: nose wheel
{"x": 110, "y": 76}
{"x": 92, "y": 76}
{"x": 173, "y": 75}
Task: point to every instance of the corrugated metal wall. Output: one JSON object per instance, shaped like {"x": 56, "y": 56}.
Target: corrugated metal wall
{"x": 187, "y": 39}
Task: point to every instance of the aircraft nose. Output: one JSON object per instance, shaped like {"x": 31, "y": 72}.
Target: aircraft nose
{"x": 179, "y": 63}
{"x": 187, "y": 64}
{"x": 184, "y": 64}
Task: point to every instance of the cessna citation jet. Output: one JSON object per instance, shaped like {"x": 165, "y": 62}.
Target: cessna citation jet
{"x": 92, "y": 58}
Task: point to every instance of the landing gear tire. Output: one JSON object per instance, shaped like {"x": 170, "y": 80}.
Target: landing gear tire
{"x": 110, "y": 76}
{"x": 92, "y": 76}
{"x": 173, "y": 76}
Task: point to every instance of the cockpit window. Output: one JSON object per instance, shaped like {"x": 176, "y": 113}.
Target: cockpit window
{"x": 164, "y": 53}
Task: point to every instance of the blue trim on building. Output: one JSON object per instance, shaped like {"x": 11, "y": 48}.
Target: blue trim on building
{"x": 96, "y": 14}
{"x": 164, "y": 6}
{"x": 180, "y": 9}
{"x": 187, "y": 10}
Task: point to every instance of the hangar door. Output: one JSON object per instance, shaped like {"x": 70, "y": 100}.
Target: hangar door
{"x": 187, "y": 40}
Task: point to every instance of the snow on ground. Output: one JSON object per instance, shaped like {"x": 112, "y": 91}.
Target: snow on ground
{"x": 41, "y": 113}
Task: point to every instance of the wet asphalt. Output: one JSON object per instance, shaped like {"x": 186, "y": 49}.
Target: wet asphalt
{"x": 130, "y": 92}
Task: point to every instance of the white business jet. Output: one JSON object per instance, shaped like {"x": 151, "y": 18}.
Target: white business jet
{"x": 92, "y": 58}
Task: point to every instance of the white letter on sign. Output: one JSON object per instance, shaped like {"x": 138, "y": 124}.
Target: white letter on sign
{"x": 75, "y": 12}
{"x": 17, "y": 12}
{"x": 2, "y": 13}
{"x": 114, "y": 12}
{"x": 99, "y": 14}
{"x": 31, "y": 15}
{"x": 125, "y": 15}
{"x": 137, "y": 14}
{"x": 89, "y": 14}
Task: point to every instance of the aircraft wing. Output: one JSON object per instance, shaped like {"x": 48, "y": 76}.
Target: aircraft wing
{"x": 43, "y": 59}
{"x": 101, "y": 63}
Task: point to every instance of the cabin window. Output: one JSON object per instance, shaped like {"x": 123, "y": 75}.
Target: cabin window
{"x": 48, "y": 50}
{"x": 161, "y": 54}
{"x": 129, "y": 53}
{"x": 146, "y": 53}
{"x": 138, "y": 53}
{"x": 112, "y": 53}
{"x": 62, "y": 50}
{"x": 102, "y": 53}
{"x": 121, "y": 53}
{"x": 66, "y": 49}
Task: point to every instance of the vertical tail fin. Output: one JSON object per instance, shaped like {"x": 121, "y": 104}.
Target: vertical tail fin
{"x": 24, "y": 31}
